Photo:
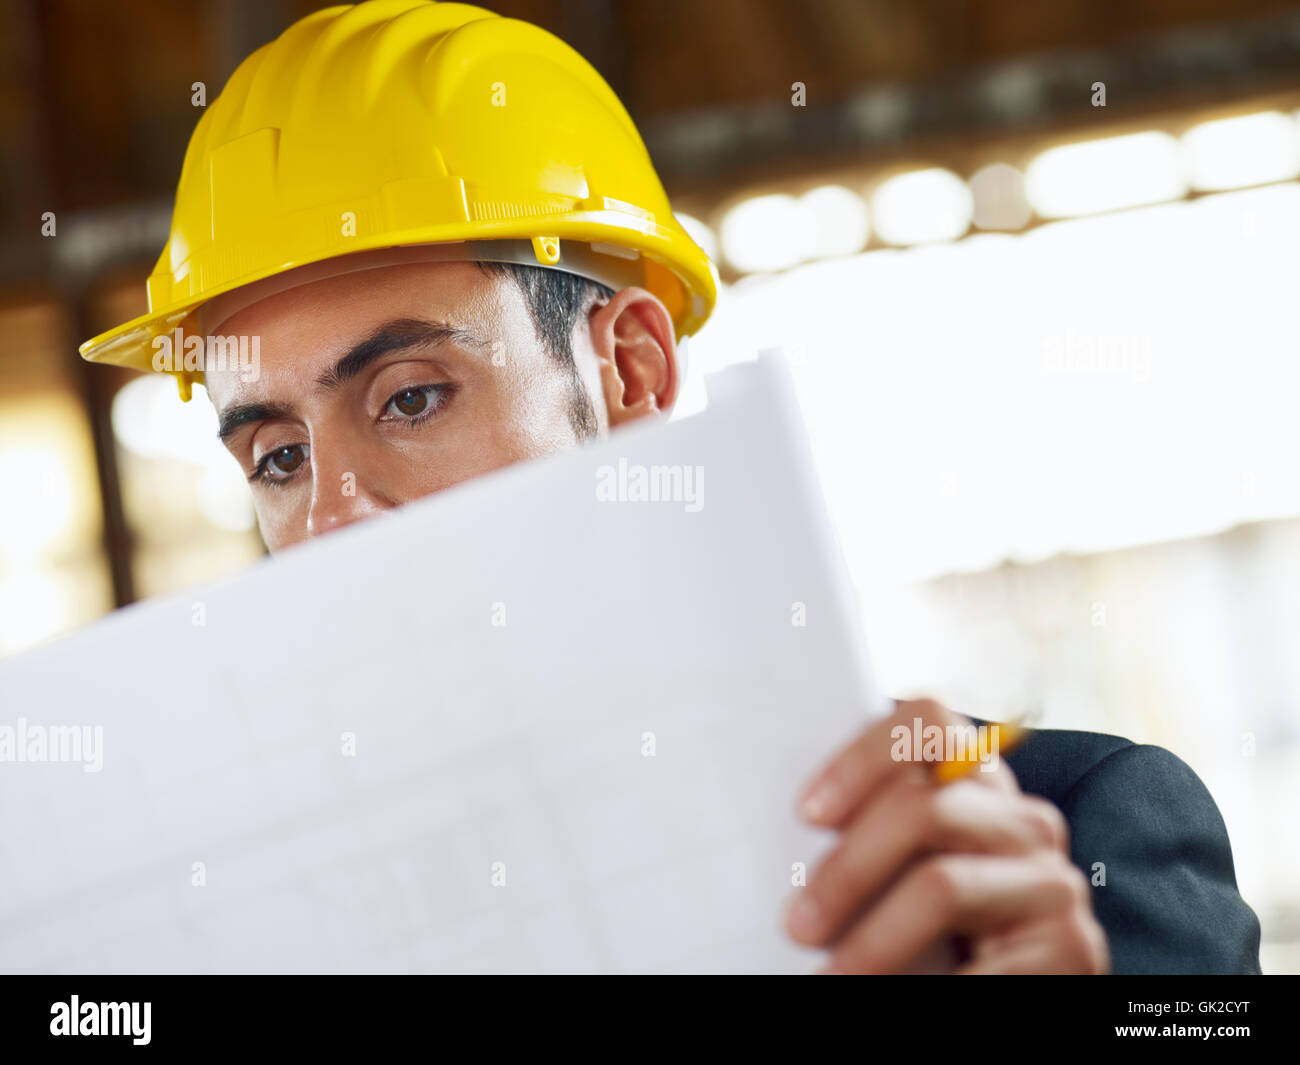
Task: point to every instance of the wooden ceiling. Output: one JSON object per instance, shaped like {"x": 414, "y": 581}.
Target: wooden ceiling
{"x": 95, "y": 104}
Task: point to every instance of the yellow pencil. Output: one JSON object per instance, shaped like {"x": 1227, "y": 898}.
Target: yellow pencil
{"x": 1007, "y": 737}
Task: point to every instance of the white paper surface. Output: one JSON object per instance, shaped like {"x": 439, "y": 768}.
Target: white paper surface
{"x": 483, "y": 750}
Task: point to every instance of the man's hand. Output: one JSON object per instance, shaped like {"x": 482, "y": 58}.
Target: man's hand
{"x": 968, "y": 877}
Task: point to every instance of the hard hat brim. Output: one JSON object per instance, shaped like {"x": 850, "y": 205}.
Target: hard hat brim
{"x": 688, "y": 290}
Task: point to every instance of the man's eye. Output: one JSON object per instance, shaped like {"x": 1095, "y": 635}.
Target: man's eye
{"x": 279, "y": 465}
{"x": 285, "y": 460}
{"x": 414, "y": 404}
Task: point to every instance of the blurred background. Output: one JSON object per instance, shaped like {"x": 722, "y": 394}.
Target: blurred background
{"x": 1035, "y": 266}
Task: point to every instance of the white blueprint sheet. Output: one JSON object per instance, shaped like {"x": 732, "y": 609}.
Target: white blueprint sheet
{"x": 579, "y": 728}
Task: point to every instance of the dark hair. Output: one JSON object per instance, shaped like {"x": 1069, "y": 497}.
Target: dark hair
{"x": 555, "y": 300}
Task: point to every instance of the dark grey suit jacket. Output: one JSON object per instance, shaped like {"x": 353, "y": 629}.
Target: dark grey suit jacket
{"x": 1170, "y": 902}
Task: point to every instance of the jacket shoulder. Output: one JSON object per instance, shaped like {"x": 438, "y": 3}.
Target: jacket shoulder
{"x": 1052, "y": 761}
{"x": 1147, "y": 833}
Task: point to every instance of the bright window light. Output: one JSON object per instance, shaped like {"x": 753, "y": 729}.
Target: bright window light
{"x": 765, "y": 233}
{"x": 150, "y": 421}
{"x": 837, "y": 219}
{"x": 998, "y": 192}
{"x": 1231, "y": 153}
{"x": 224, "y": 498}
{"x": 1106, "y": 175}
{"x": 41, "y": 487}
{"x": 922, "y": 207}
{"x": 1089, "y": 385}
{"x": 51, "y": 496}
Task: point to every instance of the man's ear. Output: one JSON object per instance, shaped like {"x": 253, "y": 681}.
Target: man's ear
{"x": 633, "y": 339}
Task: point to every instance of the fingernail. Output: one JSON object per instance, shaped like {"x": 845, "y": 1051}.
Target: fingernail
{"x": 804, "y": 917}
{"x": 819, "y": 803}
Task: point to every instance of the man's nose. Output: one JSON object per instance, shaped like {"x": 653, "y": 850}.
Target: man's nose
{"x": 341, "y": 496}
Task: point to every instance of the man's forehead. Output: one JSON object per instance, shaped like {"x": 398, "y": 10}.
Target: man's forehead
{"x": 299, "y": 331}
{"x": 370, "y": 269}
{"x": 440, "y": 290}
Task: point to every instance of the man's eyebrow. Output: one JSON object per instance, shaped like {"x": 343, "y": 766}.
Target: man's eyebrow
{"x": 240, "y": 415}
{"x": 397, "y": 335}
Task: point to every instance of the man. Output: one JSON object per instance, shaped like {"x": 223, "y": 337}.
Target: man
{"x": 444, "y": 233}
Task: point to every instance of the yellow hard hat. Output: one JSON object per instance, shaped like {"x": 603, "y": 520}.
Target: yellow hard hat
{"x": 408, "y": 122}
